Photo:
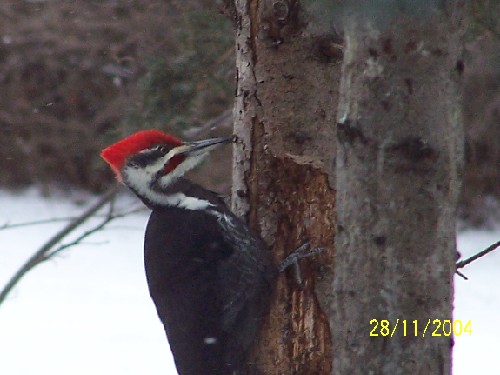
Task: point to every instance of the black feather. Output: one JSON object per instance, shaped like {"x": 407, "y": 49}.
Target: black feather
{"x": 211, "y": 280}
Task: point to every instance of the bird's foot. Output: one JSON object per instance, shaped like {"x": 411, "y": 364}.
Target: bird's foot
{"x": 302, "y": 252}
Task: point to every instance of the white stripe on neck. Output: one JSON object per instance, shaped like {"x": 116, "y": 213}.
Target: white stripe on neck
{"x": 176, "y": 200}
{"x": 190, "y": 203}
{"x": 139, "y": 180}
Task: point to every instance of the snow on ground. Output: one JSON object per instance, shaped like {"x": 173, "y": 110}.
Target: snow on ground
{"x": 86, "y": 312}
{"x": 89, "y": 312}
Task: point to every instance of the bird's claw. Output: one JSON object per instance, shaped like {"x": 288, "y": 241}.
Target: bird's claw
{"x": 293, "y": 260}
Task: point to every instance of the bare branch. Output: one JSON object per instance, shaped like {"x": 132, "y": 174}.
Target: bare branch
{"x": 111, "y": 215}
{"x": 85, "y": 234}
{"x": 471, "y": 259}
{"x": 8, "y": 225}
{"x": 223, "y": 121}
{"x": 47, "y": 250}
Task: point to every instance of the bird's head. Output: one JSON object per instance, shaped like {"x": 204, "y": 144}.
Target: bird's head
{"x": 150, "y": 160}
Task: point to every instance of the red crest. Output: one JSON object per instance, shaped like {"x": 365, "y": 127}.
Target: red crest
{"x": 117, "y": 153}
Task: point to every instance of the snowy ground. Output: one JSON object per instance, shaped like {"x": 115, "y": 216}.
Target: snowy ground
{"x": 88, "y": 311}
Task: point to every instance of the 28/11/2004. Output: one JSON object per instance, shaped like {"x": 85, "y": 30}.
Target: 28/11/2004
{"x": 431, "y": 327}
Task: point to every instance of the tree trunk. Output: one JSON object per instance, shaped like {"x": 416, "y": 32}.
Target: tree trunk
{"x": 399, "y": 162}
{"x": 288, "y": 70}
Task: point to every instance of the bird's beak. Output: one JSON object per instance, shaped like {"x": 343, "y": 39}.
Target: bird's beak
{"x": 206, "y": 144}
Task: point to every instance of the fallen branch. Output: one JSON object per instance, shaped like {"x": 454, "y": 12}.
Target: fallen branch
{"x": 50, "y": 248}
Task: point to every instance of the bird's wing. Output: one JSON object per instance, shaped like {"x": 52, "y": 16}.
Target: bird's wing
{"x": 246, "y": 277}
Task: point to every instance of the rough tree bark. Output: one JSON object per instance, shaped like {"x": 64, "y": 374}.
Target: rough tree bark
{"x": 288, "y": 69}
{"x": 399, "y": 162}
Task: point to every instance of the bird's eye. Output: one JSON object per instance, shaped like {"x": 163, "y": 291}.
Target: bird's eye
{"x": 162, "y": 148}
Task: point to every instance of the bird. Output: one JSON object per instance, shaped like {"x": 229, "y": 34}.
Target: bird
{"x": 209, "y": 275}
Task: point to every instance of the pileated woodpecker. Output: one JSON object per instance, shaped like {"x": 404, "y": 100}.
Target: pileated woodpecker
{"x": 209, "y": 276}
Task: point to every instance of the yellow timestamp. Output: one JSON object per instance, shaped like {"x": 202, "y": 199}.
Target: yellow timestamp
{"x": 416, "y": 328}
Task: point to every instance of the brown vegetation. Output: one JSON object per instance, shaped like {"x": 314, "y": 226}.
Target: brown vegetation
{"x": 76, "y": 75}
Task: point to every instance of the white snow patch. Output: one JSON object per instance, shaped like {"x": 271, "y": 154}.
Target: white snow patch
{"x": 86, "y": 312}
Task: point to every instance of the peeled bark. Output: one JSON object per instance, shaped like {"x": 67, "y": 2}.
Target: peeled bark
{"x": 398, "y": 176}
{"x": 288, "y": 70}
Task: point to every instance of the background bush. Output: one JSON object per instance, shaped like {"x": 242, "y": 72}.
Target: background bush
{"x": 76, "y": 75}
